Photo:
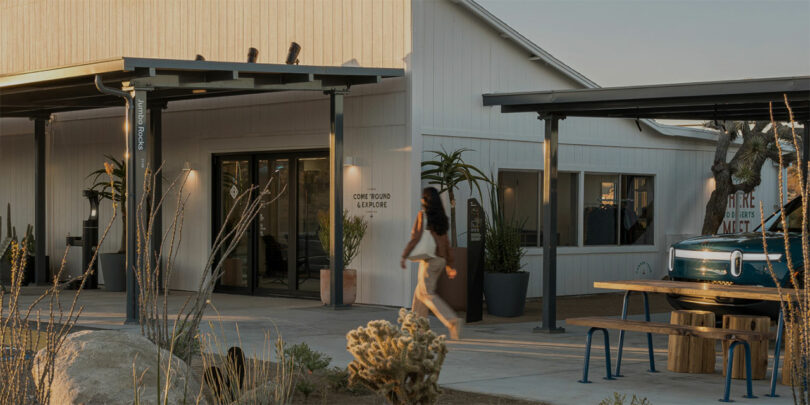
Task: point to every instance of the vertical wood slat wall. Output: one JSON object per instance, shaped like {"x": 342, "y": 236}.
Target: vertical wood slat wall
{"x": 40, "y": 34}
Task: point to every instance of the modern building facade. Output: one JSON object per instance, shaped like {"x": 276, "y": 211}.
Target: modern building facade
{"x": 627, "y": 188}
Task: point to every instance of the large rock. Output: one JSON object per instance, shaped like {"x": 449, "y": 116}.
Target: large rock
{"x": 96, "y": 367}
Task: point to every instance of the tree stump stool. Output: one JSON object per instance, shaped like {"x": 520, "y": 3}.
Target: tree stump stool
{"x": 759, "y": 350}
{"x": 691, "y": 354}
{"x": 791, "y": 350}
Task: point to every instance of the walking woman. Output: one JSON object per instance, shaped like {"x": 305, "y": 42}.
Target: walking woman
{"x": 425, "y": 297}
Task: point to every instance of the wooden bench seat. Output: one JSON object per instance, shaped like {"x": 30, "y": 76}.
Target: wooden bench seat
{"x": 660, "y": 328}
{"x": 736, "y": 337}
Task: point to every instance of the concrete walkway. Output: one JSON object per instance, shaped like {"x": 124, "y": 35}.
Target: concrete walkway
{"x": 506, "y": 359}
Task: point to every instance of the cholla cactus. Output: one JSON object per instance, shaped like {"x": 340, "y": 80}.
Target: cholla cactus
{"x": 400, "y": 363}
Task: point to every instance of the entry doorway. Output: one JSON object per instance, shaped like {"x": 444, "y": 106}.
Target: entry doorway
{"x": 281, "y": 253}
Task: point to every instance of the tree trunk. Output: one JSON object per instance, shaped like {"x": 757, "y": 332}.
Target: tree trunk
{"x": 453, "y": 240}
{"x": 716, "y": 207}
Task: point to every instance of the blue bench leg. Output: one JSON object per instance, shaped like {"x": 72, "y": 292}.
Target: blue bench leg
{"x": 775, "y": 373}
{"x": 729, "y": 365}
{"x": 588, "y": 340}
{"x": 621, "y": 334}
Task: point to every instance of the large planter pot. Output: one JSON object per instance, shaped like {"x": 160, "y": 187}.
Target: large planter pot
{"x": 31, "y": 270}
{"x": 349, "y": 286}
{"x": 506, "y": 293}
{"x": 113, "y": 269}
{"x": 454, "y": 291}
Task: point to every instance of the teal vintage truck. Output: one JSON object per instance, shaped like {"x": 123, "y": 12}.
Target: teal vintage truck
{"x": 740, "y": 259}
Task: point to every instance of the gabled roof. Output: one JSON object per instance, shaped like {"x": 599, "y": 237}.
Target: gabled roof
{"x": 541, "y": 55}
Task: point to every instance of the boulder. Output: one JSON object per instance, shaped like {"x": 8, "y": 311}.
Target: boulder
{"x": 96, "y": 367}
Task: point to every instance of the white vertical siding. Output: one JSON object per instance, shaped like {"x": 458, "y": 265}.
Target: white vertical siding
{"x": 375, "y": 122}
{"x": 682, "y": 189}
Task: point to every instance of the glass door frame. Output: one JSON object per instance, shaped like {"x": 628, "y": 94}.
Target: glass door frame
{"x": 292, "y": 248}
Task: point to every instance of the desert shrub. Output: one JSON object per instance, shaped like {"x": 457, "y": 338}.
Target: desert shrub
{"x": 307, "y": 359}
{"x": 401, "y": 363}
{"x": 620, "y": 399}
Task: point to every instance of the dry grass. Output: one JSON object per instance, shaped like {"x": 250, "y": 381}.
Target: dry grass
{"x": 25, "y": 331}
{"x": 795, "y": 302}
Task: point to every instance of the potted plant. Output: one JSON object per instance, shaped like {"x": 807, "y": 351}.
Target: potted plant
{"x": 110, "y": 183}
{"x": 505, "y": 285}
{"x": 354, "y": 228}
{"x": 447, "y": 171}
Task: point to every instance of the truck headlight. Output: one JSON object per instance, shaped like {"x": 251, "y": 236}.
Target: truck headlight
{"x": 736, "y": 263}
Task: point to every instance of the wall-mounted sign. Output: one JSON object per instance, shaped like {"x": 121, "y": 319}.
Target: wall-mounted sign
{"x": 372, "y": 201}
{"x": 748, "y": 210}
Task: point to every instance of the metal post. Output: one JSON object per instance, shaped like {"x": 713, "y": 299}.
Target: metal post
{"x": 549, "y": 324}
{"x": 155, "y": 163}
{"x": 40, "y": 272}
{"x": 336, "y": 198}
{"x": 137, "y": 158}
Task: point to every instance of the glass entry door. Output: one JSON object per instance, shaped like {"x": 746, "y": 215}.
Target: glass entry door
{"x": 281, "y": 254}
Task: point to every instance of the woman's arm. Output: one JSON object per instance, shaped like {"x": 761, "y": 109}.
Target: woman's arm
{"x": 416, "y": 234}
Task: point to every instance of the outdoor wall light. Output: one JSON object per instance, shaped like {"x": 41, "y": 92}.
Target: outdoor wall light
{"x": 348, "y": 161}
{"x": 292, "y": 54}
{"x": 187, "y": 167}
{"x": 253, "y": 55}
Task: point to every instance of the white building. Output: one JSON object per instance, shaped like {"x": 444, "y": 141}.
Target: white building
{"x": 452, "y": 53}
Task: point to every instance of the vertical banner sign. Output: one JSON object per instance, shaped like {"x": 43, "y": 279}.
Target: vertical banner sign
{"x": 140, "y": 132}
{"x": 476, "y": 232}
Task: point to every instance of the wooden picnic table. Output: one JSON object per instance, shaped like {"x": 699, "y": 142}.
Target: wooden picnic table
{"x": 697, "y": 289}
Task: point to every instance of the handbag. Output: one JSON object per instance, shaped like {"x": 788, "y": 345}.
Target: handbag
{"x": 426, "y": 247}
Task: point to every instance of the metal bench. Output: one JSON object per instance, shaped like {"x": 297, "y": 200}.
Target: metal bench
{"x": 735, "y": 336}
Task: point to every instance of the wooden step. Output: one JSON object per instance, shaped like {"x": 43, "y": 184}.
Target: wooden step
{"x": 669, "y": 329}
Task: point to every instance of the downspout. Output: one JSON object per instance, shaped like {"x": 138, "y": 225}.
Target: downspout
{"x": 132, "y": 307}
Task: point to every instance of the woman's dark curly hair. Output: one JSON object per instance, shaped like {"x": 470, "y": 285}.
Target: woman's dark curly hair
{"x": 437, "y": 219}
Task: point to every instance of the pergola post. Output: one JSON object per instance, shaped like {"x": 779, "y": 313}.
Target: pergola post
{"x": 805, "y": 149}
{"x": 155, "y": 144}
{"x": 40, "y": 270}
{"x": 336, "y": 198}
{"x": 136, "y": 164}
{"x": 549, "y": 324}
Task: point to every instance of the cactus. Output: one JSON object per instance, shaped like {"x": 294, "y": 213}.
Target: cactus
{"x": 400, "y": 363}
{"x": 5, "y": 244}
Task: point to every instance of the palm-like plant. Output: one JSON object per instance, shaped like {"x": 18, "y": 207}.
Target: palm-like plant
{"x": 447, "y": 171}
{"x": 113, "y": 186}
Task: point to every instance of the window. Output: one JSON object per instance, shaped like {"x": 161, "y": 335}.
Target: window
{"x": 618, "y": 209}
{"x": 518, "y": 192}
{"x": 521, "y": 193}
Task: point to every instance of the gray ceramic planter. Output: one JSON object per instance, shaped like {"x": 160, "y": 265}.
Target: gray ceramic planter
{"x": 506, "y": 293}
{"x": 112, "y": 268}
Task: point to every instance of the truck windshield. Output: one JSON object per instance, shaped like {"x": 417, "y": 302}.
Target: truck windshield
{"x": 793, "y": 218}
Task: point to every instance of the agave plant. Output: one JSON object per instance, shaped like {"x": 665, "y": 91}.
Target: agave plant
{"x": 111, "y": 184}
{"x": 447, "y": 171}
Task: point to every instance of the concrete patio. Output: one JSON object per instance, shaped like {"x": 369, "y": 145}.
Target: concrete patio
{"x": 507, "y": 359}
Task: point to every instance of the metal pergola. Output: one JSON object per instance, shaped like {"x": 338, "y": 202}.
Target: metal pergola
{"x": 721, "y": 100}
{"x": 145, "y": 87}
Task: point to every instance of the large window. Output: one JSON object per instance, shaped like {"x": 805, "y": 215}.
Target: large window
{"x": 618, "y": 209}
{"x": 521, "y": 195}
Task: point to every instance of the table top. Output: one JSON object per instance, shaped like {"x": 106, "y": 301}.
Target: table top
{"x": 696, "y": 289}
